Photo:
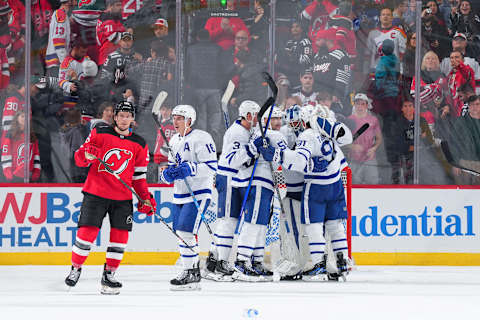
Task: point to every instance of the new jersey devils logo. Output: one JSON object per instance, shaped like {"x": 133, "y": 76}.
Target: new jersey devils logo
{"x": 85, "y": 3}
{"x": 116, "y": 159}
{"x": 20, "y": 154}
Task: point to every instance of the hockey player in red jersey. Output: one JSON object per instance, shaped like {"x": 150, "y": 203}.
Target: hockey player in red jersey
{"x": 127, "y": 155}
{"x": 109, "y": 29}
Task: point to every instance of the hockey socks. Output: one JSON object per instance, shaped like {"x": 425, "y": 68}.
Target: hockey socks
{"x": 316, "y": 242}
{"x": 189, "y": 258}
{"x": 116, "y": 248}
{"x": 338, "y": 236}
{"x": 224, "y": 237}
{"x": 247, "y": 241}
{"x": 81, "y": 248}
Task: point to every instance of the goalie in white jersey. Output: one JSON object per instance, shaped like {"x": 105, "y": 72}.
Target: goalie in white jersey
{"x": 234, "y": 171}
{"x": 323, "y": 201}
{"x": 192, "y": 164}
{"x": 251, "y": 241}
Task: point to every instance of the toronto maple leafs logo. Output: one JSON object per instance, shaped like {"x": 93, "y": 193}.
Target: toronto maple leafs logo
{"x": 117, "y": 159}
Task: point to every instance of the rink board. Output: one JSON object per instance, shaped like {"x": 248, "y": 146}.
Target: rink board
{"x": 426, "y": 225}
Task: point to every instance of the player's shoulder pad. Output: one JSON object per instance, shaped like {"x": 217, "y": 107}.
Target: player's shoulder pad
{"x": 201, "y": 134}
{"x": 66, "y": 62}
{"x": 137, "y": 139}
{"x": 60, "y": 15}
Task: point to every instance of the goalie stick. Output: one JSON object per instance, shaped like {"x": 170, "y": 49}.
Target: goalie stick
{"x": 155, "y": 114}
{"x": 107, "y": 167}
{"x": 224, "y": 102}
{"x": 450, "y": 160}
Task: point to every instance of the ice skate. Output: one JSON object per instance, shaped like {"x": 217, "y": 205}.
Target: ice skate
{"x": 109, "y": 284}
{"x": 210, "y": 265}
{"x": 187, "y": 280}
{"x": 342, "y": 267}
{"x": 266, "y": 275}
{"x": 317, "y": 273}
{"x": 244, "y": 272}
{"x": 72, "y": 278}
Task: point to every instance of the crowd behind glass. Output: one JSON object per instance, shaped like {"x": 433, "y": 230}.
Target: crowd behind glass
{"x": 356, "y": 57}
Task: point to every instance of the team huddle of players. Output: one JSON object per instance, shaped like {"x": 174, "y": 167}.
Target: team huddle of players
{"x": 308, "y": 150}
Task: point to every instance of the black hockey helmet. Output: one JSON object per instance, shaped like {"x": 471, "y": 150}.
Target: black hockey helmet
{"x": 125, "y": 106}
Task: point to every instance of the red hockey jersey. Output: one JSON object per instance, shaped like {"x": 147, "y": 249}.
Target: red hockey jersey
{"x": 108, "y": 35}
{"x": 129, "y": 7}
{"x": 126, "y": 155}
{"x": 13, "y": 158}
{"x": 12, "y": 105}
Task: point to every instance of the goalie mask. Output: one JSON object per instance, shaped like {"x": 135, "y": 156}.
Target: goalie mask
{"x": 187, "y": 112}
{"x": 293, "y": 119}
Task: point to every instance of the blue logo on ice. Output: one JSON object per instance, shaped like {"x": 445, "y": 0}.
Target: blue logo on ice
{"x": 251, "y": 313}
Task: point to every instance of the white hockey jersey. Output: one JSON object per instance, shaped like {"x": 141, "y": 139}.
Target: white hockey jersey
{"x": 236, "y": 160}
{"x": 294, "y": 179}
{"x": 198, "y": 147}
{"x": 310, "y": 144}
{"x": 58, "y": 39}
{"x": 263, "y": 175}
{"x": 375, "y": 42}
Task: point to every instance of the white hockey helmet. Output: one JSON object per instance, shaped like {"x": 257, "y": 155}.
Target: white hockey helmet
{"x": 292, "y": 117}
{"x": 306, "y": 113}
{"x": 246, "y": 107}
{"x": 186, "y": 111}
{"x": 276, "y": 113}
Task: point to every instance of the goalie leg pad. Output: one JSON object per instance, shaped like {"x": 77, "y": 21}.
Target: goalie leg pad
{"x": 224, "y": 237}
{"x": 189, "y": 259}
{"x": 316, "y": 241}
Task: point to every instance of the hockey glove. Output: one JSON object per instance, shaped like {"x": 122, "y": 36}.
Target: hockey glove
{"x": 149, "y": 206}
{"x": 186, "y": 169}
{"x": 92, "y": 152}
{"x": 272, "y": 154}
{"x": 168, "y": 174}
{"x": 326, "y": 127}
{"x": 319, "y": 164}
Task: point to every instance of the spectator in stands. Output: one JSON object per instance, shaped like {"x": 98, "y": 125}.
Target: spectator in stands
{"x": 258, "y": 25}
{"x": 295, "y": 54}
{"x": 464, "y": 20}
{"x": 331, "y": 67}
{"x": 306, "y": 94}
{"x": 387, "y": 81}
{"x": 433, "y": 89}
{"x": 160, "y": 30}
{"x": 431, "y": 9}
{"x": 377, "y": 36}
{"x": 109, "y": 29}
{"x": 465, "y": 93}
{"x": 409, "y": 63}
{"x": 460, "y": 43}
{"x": 316, "y": 16}
{"x": 434, "y": 33}
{"x": 283, "y": 85}
{"x": 73, "y": 134}
{"x": 399, "y": 143}
{"x": 223, "y": 30}
{"x": 460, "y": 74}
{"x": 104, "y": 116}
{"x": 14, "y": 153}
{"x": 5, "y": 41}
{"x": 84, "y": 25}
{"x": 203, "y": 84}
{"x": 465, "y": 143}
{"x": 339, "y": 110}
{"x": 160, "y": 154}
{"x": 362, "y": 154}
{"x": 59, "y": 39}
{"x": 124, "y": 56}
{"x": 400, "y": 8}
{"x": 152, "y": 76}
{"x": 14, "y": 102}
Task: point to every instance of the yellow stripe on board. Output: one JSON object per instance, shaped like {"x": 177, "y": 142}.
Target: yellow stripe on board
{"x": 169, "y": 258}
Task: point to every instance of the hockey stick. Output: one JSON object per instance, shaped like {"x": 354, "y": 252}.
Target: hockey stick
{"x": 224, "y": 102}
{"x": 271, "y": 83}
{"x": 270, "y": 101}
{"x": 107, "y": 167}
{"x": 361, "y": 130}
{"x": 155, "y": 114}
{"x": 449, "y": 157}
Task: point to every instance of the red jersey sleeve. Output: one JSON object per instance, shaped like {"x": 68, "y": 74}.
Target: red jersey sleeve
{"x": 35, "y": 166}
{"x": 79, "y": 156}
{"x": 139, "y": 179}
{"x": 7, "y": 157}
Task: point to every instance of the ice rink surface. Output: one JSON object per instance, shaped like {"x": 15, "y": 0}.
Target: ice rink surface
{"x": 372, "y": 292}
